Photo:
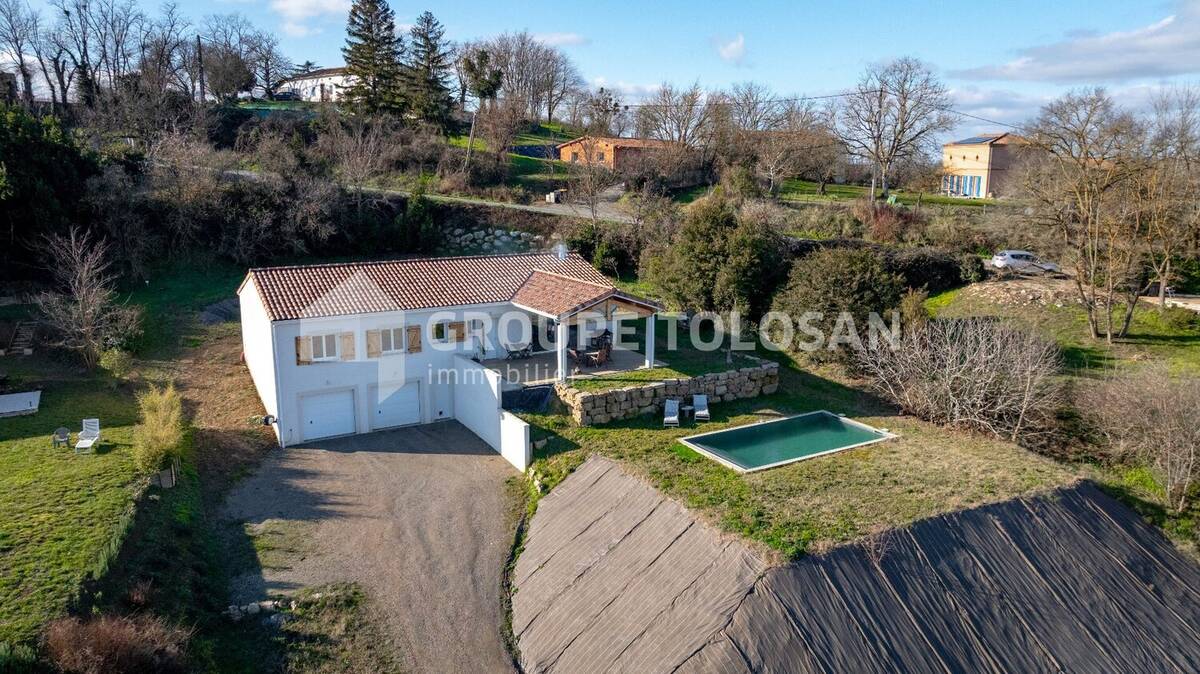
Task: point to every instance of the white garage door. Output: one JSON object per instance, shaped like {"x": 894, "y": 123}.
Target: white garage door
{"x": 396, "y": 405}
{"x": 327, "y": 414}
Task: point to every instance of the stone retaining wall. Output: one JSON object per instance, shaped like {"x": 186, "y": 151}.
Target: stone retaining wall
{"x": 600, "y": 407}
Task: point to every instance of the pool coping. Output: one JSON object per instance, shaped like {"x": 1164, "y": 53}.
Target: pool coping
{"x": 887, "y": 435}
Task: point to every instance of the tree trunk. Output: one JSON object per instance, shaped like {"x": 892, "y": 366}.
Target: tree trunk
{"x": 821, "y": 186}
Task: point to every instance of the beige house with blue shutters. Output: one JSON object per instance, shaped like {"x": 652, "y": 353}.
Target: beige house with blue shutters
{"x": 980, "y": 166}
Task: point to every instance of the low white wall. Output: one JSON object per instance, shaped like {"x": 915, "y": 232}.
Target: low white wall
{"x": 477, "y": 406}
{"x": 514, "y": 440}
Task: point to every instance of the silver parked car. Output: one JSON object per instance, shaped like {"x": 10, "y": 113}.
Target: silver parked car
{"x": 1023, "y": 261}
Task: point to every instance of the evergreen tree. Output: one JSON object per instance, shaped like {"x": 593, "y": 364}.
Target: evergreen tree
{"x": 427, "y": 71}
{"x": 373, "y": 54}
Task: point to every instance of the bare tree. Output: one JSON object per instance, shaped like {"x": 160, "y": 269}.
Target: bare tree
{"x": 18, "y": 37}
{"x": 686, "y": 117}
{"x": 359, "y": 150}
{"x": 1082, "y": 152}
{"x": 1169, "y": 186}
{"x": 560, "y": 79}
{"x": 267, "y": 62}
{"x": 83, "y": 310}
{"x": 1149, "y": 415}
{"x": 589, "y": 177}
{"x": 975, "y": 373}
{"x": 894, "y": 112}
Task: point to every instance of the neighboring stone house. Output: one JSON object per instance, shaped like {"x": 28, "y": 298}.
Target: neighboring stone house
{"x": 319, "y": 86}
{"x": 618, "y": 154}
{"x": 980, "y": 166}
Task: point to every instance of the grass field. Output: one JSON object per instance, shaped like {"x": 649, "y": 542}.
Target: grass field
{"x": 62, "y": 514}
{"x": 805, "y": 190}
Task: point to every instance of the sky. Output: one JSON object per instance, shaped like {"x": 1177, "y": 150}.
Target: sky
{"x": 1001, "y": 61}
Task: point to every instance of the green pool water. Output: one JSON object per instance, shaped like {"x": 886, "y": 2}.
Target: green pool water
{"x": 774, "y": 443}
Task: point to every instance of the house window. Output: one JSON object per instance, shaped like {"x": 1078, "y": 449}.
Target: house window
{"x": 455, "y": 331}
{"x": 324, "y": 347}
{"x": 391, "y": 340}
{"x": 574, "y": 157}
{"x": 599, "y": 156}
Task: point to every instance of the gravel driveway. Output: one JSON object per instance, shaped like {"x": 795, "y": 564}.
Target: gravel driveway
{"x": 420, "y": 517}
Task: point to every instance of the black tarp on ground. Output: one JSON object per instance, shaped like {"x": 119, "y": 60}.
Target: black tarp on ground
{"x": 616, "y": 578}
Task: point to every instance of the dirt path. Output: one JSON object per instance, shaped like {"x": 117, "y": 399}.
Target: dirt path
{"x": 420, "y": 517}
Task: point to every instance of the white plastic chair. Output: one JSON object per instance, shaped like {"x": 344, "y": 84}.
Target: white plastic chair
{"x": 89, "y": 436}
{"x": 671, "y": 413}
{"x": 700, "y": 402}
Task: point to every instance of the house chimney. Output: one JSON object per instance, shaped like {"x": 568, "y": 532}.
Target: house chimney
{"x": 560, "y": 249}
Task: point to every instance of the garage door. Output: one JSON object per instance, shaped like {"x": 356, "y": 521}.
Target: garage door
{"x": 397, "y": 405}
{"x": 327, "y": 414}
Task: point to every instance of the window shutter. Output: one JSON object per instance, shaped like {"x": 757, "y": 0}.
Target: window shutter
{"x": 374, "y": 344}
{"x": 414, "y": 338}
{"x": 457, "y": 331}
{"x": 347, "y": 345}
{"x": 303, "y": 351}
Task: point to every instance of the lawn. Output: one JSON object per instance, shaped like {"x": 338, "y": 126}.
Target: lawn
{"x": 805, "y": 190}
{"x": 809, "y": 505}
{"x": 62, "y": 515}
{"x": 1153, "y": 335}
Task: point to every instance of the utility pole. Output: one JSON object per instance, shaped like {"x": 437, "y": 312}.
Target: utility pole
{"x": 200, "y": 61}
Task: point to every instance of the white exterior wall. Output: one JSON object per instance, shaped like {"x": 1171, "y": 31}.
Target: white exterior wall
{"x": 514, "y": 441}
{"x": 477, "y": 394}
{"x": 438, "y": 400}
{"x": 309, "y": 88}
{"x": 477, "y": 400}
{"x": 257, "y": 347}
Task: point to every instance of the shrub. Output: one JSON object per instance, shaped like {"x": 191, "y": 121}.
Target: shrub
{"x": 1179, "y": 318}
{"x": 926, "y": 269}
{"x": 886, "y": 223}
{"x": 116, "y": 363}
{"x": 970, "y": 268}
{"x": 160, "y": 432}
{"x": 977, "y": 374}
{"x": 1149, "y": 417}
{"x": 116, "y": 644}
{"x": 913, "y": 313}
{"x": 835, "y": 281}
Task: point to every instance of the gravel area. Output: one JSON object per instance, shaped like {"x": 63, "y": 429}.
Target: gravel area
{"x": 420, "y": 517}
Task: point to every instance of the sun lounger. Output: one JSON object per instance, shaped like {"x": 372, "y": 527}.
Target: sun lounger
{"x": 671, "y": 413}
{"x": 89, "y": 436}
{"x": 700, "y": 402}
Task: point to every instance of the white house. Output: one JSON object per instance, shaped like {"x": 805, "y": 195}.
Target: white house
{"x": 338, "y": 349}
{"x": 322, "y": 86}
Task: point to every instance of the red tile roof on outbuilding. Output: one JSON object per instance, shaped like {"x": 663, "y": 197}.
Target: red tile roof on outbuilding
{"x": 312, "y": 291}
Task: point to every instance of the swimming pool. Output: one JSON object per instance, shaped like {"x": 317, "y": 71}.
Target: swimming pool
{"x": 782, "y": 441}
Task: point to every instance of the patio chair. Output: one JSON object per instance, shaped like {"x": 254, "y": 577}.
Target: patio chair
{"x": 700, "y": 402}
{"x": 603, "y": 355}
{"x": 61, "y": 436}
{"x": 89, "y": 436}
{"x": 671, "y": 413}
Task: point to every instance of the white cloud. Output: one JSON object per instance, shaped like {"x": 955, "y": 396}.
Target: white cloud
{"x": 626, "y": 91}
{"x": 562, "y": 39}
{"x": 733, "y": 51}
{"x": 295, "y": 29}
{"x": 298, "y": 10}
{"x": 1162, "y": 49}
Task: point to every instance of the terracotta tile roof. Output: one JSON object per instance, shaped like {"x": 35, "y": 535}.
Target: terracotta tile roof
{"x": 556, "y": 295}
{"x": 618, "y": 142}
{"x": 311, "y": 291}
